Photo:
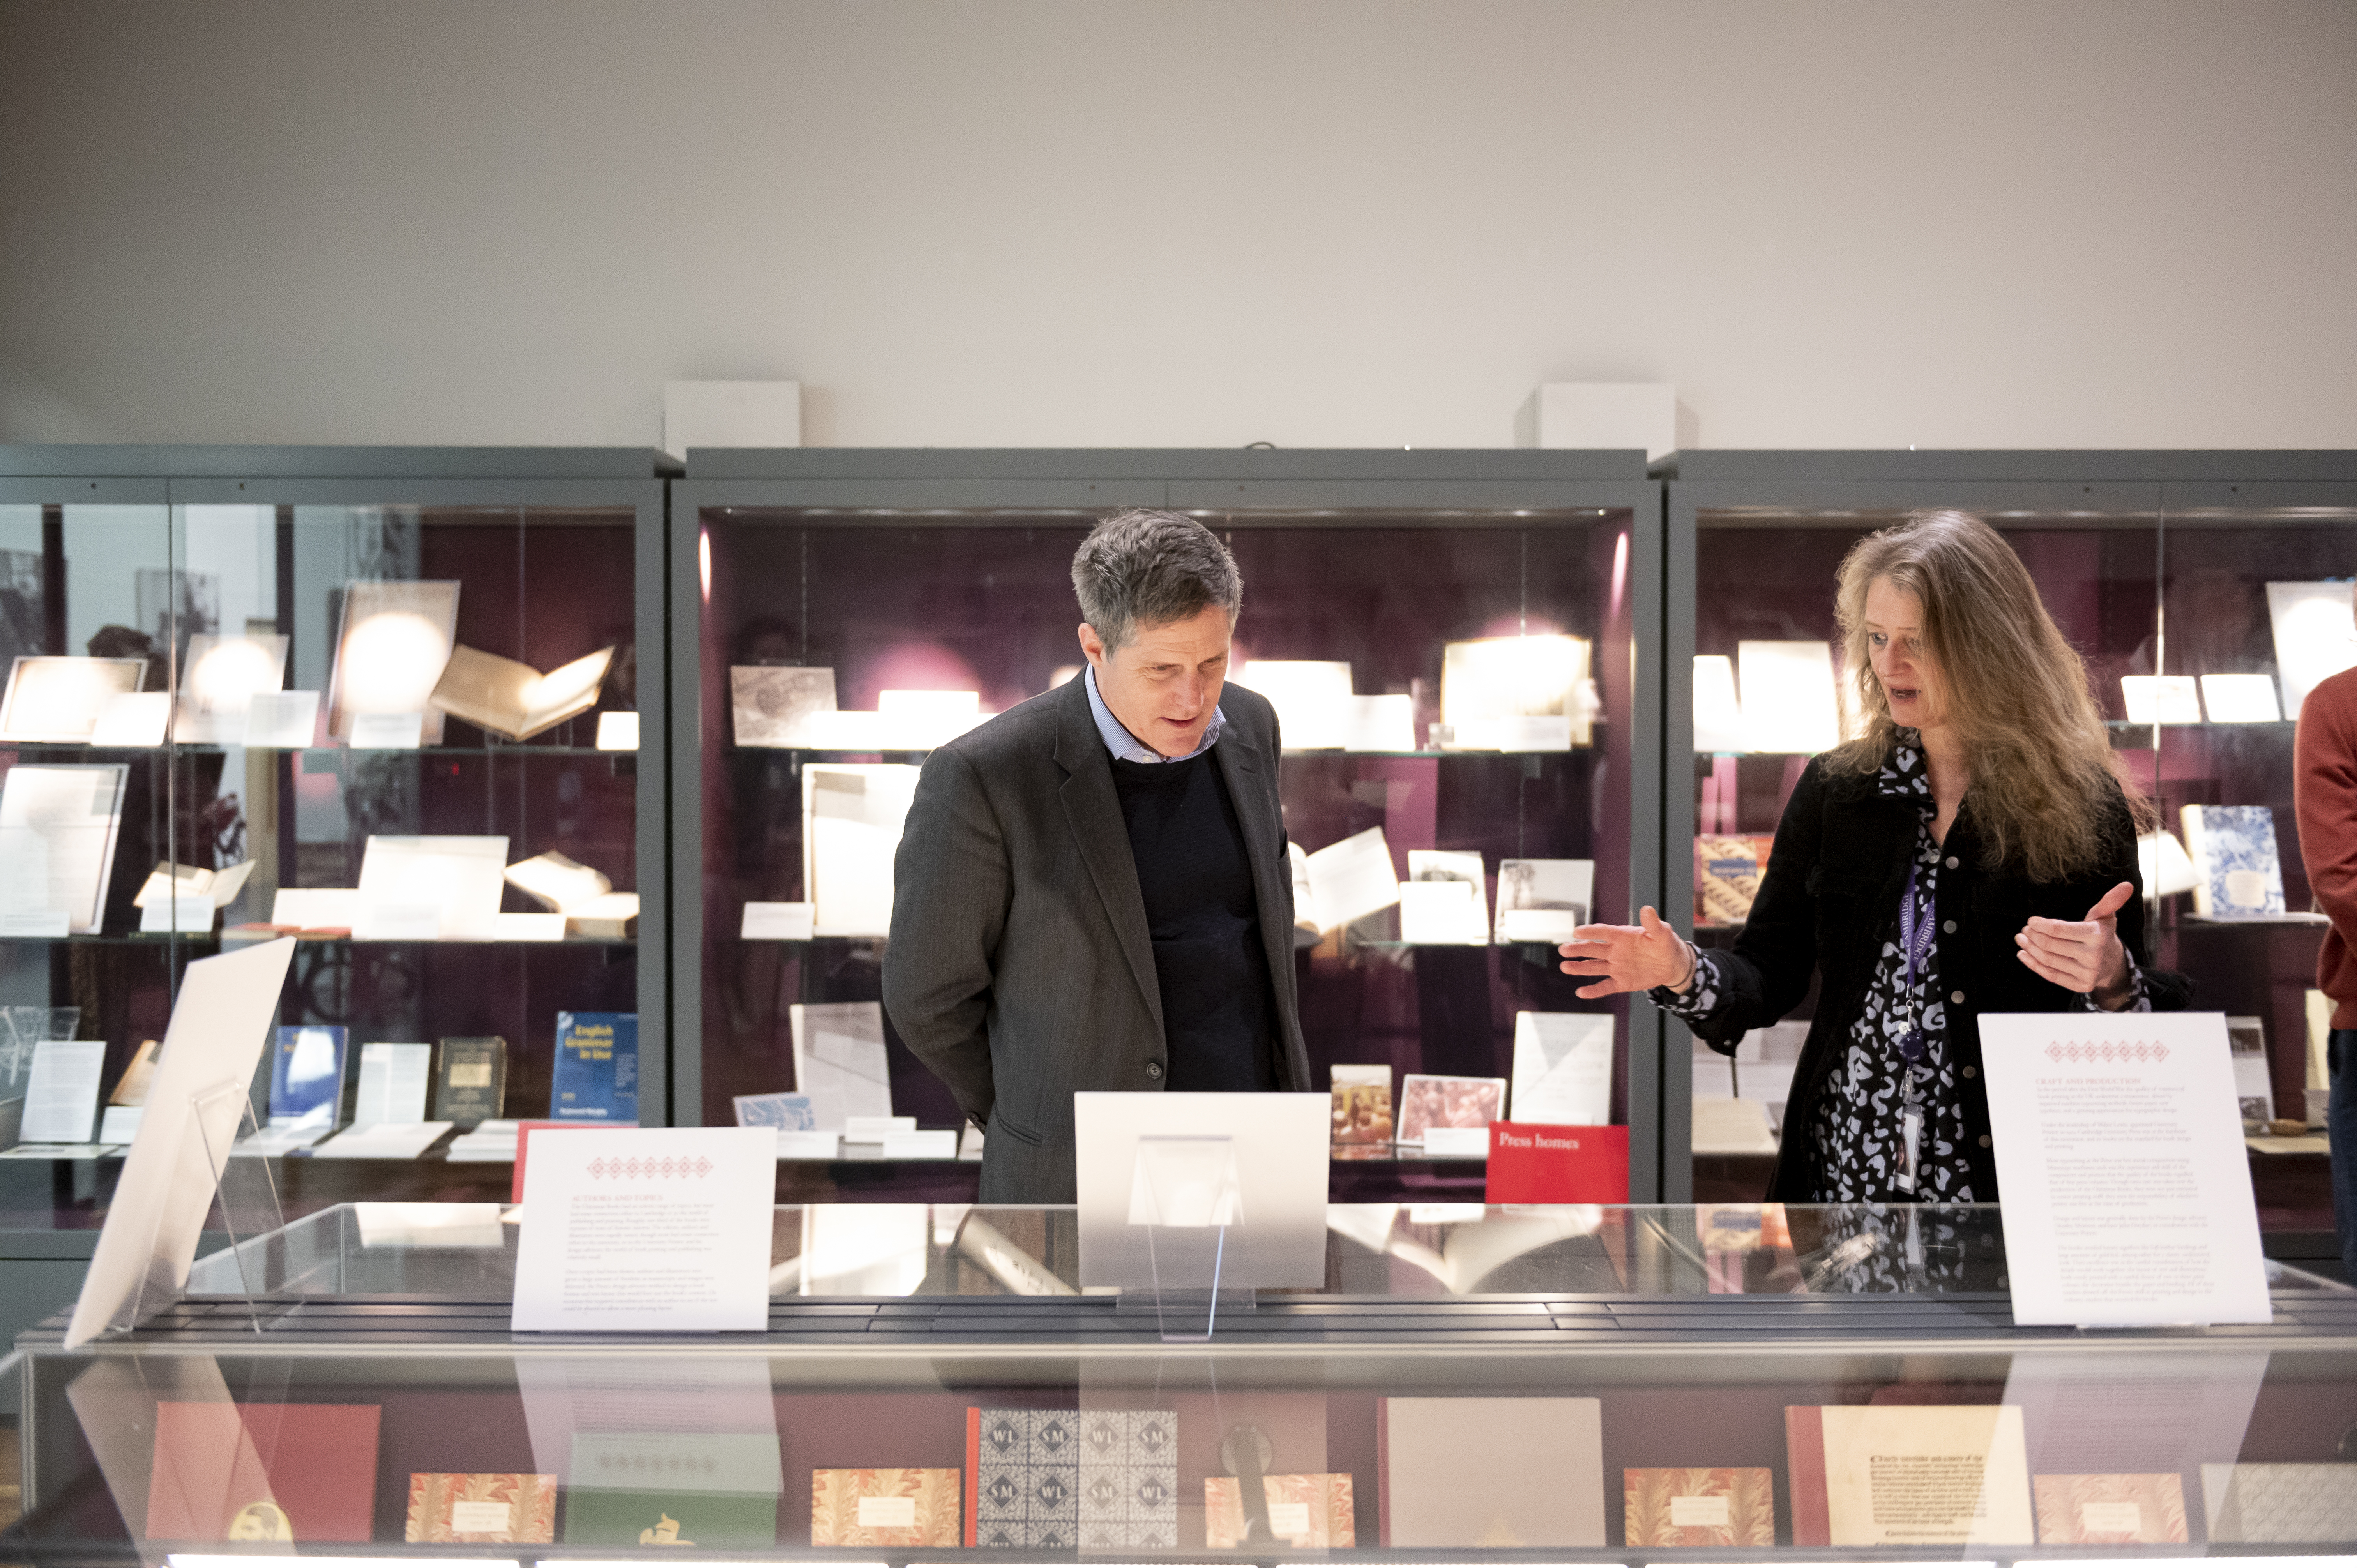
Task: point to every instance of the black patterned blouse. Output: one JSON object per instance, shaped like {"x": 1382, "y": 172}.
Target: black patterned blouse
{"x": 1858, "y": 1130}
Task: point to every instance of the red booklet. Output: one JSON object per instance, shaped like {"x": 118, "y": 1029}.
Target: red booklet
{"x": 1530, "y": 1162}
{"x": 263, "y": 1472}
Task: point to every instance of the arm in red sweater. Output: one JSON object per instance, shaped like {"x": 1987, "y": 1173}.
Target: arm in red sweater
{"x": 2324, "y": 797}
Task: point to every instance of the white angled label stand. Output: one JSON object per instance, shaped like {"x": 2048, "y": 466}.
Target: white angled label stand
{"x": 1186, "y": 1193}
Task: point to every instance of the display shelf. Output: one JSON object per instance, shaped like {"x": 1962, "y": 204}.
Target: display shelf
{"x": 1675, "y": 1348}
{"x": 934, "y": 571}
{"x": 2153, "y": 564}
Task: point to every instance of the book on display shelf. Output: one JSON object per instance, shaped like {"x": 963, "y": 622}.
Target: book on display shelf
{"x": 2280, "y": 1505}
{"x": 392, "y": 646}
{"x": 58, "y": 832}
{"x": 1889, "y": 1476}
{"x": 294, "y": 1473}
{"x": 786, "y": 1112}
{"x": 853, "y": 814}
{"x": 1362, "y": 1103}
{"x": 1529, "y": 693}
{"x": 1728, "y": 871}
{"x": 885, "y": 1508}
{"x": 220, "y": 677}
{"x": 771, "y": 705}
{"x": 1430, "y": 1100}
{"x": 597, "y": 1073}
{"x": 1304, "y": 1512}
{"x": 1698, "y": 1506}
{"x": 1471, "y": 1473}
{"x": 1543, "y": 900}
{"x": 1563, "y": 1069}
{"x": 59, "y": 698}
{"x": 640, "y": 1488}
{"x": 515, "y": 701}
{"x": 1349, "y": 880}
{"x": 1057, "y": 1479}
{"x": 482, "y": 1507}
{"x": 307, "y": 1075}
{"x": 2237, "y": 874}
{"x": 2110, "y": 1510}
{"x": 470, "y": 1080}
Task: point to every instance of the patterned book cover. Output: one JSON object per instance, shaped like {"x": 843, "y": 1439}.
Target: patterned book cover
{"x": 1699, "y": 1507}
{"x": 1304, "y": 1512}
{"x": 1727, "y": 868}
{"x": 2236, "y": 871}
{"x": 885, "y": 1508}
{"x": 2280, "y": 1504}
{"x": 1023, "y": 1478}
{"x": 482, "y": 1507}
{"x": 2110, "y": 1510}
{"x": 1129, "y": 1479}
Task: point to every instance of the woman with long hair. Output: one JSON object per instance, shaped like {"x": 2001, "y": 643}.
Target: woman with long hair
{"x": 1971, "y": 849}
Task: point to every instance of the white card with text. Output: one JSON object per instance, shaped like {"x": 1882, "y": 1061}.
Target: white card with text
{"x": 2127, "y": 1186}
{"x": 637, "y": 1230}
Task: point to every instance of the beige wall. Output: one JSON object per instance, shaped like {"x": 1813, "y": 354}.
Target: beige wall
{"x": 1351, "y": 222}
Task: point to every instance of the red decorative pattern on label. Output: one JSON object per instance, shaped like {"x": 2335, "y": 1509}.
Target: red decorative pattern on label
{"x": 673, "y": 1166}
{"x": 2112, "y": 1053}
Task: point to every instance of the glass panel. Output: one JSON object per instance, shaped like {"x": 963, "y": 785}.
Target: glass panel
{"x": 360, "y": 744}
{"x": 1394, "y": 610}
{"x": 1768, "y": 687}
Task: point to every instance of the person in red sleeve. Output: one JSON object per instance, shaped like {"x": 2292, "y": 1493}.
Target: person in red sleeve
{"x": 2324, "y": 795}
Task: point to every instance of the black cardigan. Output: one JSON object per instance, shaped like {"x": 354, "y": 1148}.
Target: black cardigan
{"x": 1830, "y": 899}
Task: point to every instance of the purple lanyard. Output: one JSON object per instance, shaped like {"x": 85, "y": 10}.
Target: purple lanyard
{"x": 1918, "y": 946}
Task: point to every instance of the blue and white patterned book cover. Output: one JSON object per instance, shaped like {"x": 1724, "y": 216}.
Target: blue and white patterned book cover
{"x": 786, "y": 1112}
{"x": 2237, "y": 874}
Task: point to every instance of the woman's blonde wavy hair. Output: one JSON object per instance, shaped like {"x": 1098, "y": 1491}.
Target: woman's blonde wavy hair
{"x": 2042, "y": 766}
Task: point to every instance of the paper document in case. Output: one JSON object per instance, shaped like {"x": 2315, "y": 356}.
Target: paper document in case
{"x": 515, "y": 700}
{"x": 771, "y": 705}
{"x": 220, "y": 679}
{"x": 58, "y": 828}
{"x": 2119, "y": 1142}
{"x": 219, "y": 1026}
{"x": 1350, "y": 879}
{"x": 1543, "y": 900}
{"x": 1445, "y": 899}
{"x": 186, "y": 884}
{"x": 449, "y": 883}
{"x": 1790, "y": 703}
{"x": 1488, "y": 684}
{"x": 2315, "y": 636}
{"x": 59, "y": 697}
{"x": 393, "y": 1081}
{"x": 1563, "y": 1069}
{"x": 1908, "y": 1475}
{"x": 558, "y": 882}
{"x": 394, "y": 642}
{"x": 853, "y": 814}
{"x": 1311, "y": 696}
{"x": 840, "y": 1061}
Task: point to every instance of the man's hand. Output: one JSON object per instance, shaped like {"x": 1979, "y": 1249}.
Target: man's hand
{"x": 1629, "y": 958}
{"x": 2082, "y": 955}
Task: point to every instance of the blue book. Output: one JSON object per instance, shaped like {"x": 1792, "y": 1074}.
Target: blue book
{"x": 2238, "y": 874}
{"x": 307, "y": 1074}
{"x": 787, "y": 1113}
{"x": 597, "y": 1077}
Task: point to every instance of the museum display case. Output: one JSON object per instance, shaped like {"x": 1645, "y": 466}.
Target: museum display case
{"x": 1495, "y": 1385}
{"x": 2206, "y": 591}
{"x": 385, "y": 700}
{"x": 1458, "y": 646}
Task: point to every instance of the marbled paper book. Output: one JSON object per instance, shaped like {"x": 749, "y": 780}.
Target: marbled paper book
{"x": 1304, "y": 1512}
{"x": 1699, "y": 1507}
{"x": 499, "y": 1508}
{"x": 885, "y": 1507}
{"x": 2110, "y": 1510}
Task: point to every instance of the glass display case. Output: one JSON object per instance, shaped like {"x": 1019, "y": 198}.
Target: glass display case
{"x": 2187, "y": 581}
{"x": 1732, "y": 1383}
{"x": 386, "y": 700}
{"x": 1458, "y": 646}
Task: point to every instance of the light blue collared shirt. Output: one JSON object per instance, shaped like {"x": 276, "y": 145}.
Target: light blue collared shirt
{"x": 1127, "y": 747}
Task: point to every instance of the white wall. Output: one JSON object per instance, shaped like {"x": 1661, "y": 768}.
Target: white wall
{"x": 1854, "y": 222}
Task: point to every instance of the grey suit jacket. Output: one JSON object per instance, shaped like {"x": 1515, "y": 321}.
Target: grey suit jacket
{"x": 1019, "y": 967}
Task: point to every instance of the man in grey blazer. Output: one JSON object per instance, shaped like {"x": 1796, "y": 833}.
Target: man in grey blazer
{"x": 1092, "y": 891}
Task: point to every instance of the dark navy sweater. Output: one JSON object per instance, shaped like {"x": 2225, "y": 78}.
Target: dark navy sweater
{"x": 1218, "y": 1008}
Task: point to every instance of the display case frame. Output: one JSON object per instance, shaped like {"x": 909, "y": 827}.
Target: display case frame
{"x": 2096, "y": 492}
{"x": 626, "y": 485}
{"x": 1308, "y": 487}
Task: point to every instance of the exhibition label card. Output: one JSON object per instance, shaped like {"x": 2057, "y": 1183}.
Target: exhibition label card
{"x": 2119, "y": 1151}
{"x": 656, "y": 1229}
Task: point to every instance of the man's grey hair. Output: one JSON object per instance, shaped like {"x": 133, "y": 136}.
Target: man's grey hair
{"x": 1147, "y": 568}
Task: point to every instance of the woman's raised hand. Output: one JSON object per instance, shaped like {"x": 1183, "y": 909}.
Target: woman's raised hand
{"x": 1628, "y": 958}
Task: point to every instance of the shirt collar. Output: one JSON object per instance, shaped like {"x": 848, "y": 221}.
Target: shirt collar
{"x": 1127, "y": 747}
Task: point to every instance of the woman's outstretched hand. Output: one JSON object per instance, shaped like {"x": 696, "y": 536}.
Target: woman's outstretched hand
{"x": 1628, "y": 958}
{"x": 2081, "y": 955}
